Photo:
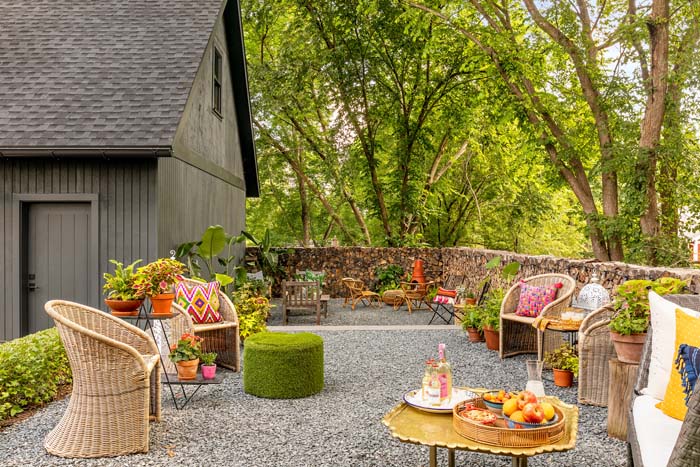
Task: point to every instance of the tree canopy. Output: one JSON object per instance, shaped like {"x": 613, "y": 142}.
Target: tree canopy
{"x": 520, "y": 125}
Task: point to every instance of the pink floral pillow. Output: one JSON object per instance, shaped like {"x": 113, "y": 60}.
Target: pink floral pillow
{"x": 534, "y": 298}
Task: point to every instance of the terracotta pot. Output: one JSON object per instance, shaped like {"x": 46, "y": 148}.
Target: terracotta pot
{"x": 209, "y": 371}
{"x": 187, "y": 370}
{"x": 124, "y": 307}
{"x": 563, "y": 378}
{"x": 474, "y": 335}
{"x": 628, "y": 348}
{"x": 491, "y": 337}
{"x": 161, "y": 303}
{"x": 470, "y": 301}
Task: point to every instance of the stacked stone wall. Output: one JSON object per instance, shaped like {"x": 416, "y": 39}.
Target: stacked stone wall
{"x": 440, "y": 263}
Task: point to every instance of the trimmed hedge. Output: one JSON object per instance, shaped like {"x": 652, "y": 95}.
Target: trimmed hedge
{"x": 283, "y": 366}
{"x": 31, "y": 369}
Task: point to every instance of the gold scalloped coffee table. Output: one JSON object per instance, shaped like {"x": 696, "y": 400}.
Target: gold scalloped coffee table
{"x": 414, "y": 426}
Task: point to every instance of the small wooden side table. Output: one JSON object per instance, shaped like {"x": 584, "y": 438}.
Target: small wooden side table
{"x": 620, "y": 387}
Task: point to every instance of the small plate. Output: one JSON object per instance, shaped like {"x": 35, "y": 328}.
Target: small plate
{"x": 413, "y": 399}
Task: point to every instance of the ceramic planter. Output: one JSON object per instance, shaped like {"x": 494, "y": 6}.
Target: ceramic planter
{"x": 628, "y": 348}
{"x": 208, "y": 371}
{"x": 124, "y": 307}
{"x": 161, "y": 303}
{"x": 491, "y": 337}
{"x": 563, "y": 378}
{"x": 474, "y": 335}
{"x": 187, "y": 369}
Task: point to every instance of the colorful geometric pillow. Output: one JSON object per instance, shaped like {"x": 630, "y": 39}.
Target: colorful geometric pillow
{"x": 687, "y": 332}
{"x": 688, "y": 365}
{"x": 200, "y": 300}
{"x": 534, "y": 298}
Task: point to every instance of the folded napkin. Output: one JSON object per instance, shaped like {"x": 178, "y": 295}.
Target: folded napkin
{"x": 688, "y": 365}
{"x": 540, "y": 323}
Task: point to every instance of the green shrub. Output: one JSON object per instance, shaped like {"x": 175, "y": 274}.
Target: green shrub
{"x": 252, "y": 311}
{"x": 388, "y": 277}
{"x": 32, "y": 369}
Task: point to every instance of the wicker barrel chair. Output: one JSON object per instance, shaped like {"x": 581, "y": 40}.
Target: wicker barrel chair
{"x": 595, "y": 349}
{"x": 222, "y": 337}
{"x": 116, "y": 384}
{"x": 517, "y": 333}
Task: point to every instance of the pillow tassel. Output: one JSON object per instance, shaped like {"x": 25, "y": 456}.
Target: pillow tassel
{"x": 688, "y": 365}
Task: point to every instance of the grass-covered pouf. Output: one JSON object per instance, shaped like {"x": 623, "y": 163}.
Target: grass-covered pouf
{"x": 283, "y": 366}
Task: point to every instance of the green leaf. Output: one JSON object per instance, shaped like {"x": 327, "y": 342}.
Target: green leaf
{"x": 493, "y": 263}
{"x": 213, "y": 242}
{"x": 511, "y": 269}
{"x": 224, "y": 279}
{"x": 184, "y": 249}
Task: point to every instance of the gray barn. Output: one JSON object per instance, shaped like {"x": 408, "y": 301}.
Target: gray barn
{"x": 125, "y": 129}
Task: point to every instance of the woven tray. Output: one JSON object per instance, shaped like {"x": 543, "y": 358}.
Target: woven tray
{"x": 500, "y": 435}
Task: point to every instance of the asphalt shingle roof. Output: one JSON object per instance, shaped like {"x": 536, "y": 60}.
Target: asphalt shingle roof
{"x": 98, "y": 73}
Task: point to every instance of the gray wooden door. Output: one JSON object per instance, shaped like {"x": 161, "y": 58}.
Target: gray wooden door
{"x": 57, "y": 250}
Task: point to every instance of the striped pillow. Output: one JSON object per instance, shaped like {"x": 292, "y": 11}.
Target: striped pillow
{"x": 201, "y": 301}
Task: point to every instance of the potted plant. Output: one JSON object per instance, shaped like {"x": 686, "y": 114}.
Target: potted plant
{"x": 491, "y": 316}
{"x": 388, "y": 278}
{"x": 156, "y": 280}
{"x": 185, "y": 355}
{"x": 564, "y": 363}
{"x": 208, "y": 365}
{"x": 472, "y": 323}
{"x": 630, "y": 322}
{"x": 122, "y": 296}
{"x": 470, "y": 298}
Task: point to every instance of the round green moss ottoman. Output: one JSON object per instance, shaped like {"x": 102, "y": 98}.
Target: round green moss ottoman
{"x": 283, "y": 366}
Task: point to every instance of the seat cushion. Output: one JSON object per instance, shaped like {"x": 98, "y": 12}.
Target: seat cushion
{"x": 519, "y": 319}
{"x": 534, "y": 298}
{"x": 201, "y": 301}
{"x": 656, "y": 432}
{"x": 663, "y": 339}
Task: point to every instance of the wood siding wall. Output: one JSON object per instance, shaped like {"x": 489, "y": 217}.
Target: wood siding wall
{"x": 127, "y": 213}
{"x": 190, "y": 200}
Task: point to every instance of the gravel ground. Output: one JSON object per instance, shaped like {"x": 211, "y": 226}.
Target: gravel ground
{"x": 338, "y": 315}
{"x": 366, "y": 373}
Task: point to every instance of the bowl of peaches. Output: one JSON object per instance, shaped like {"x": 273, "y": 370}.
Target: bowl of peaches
{"x": 494, "y": 400}
{"x": 525, "y": 411}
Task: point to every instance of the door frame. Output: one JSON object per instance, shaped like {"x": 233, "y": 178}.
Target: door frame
{"x": 20, "y": 203}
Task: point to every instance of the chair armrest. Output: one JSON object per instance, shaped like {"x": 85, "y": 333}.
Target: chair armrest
{"x": 603, "y": 313}
{"x": 555, "y": 308}
{"x": 180, "y": 323}
{"x": 227, "y": 309}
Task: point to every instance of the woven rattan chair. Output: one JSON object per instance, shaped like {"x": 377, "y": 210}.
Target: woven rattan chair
{"x": 116, "y": 384}
{"x": 357, "y": 293}
{"x": 595, "y": 349}
{"x": 416, "y": 294}
{"x": 517, "y": 334}
{"x": 686, "y": 451}
{"x": 301, "y": 296}
{"x": 222, "y": 337}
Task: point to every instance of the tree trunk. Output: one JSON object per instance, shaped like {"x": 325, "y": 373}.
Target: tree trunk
{"x": 305, "y": 215}
{"x": 653, "y": 121}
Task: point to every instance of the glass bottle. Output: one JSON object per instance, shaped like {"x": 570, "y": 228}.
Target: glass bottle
{"x": 434, "y": 388}
{"x": 445, "y": 375}
{"x": 426, "y": 380}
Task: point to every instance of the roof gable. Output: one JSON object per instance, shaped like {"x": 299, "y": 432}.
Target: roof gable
{"x": 98, "y": 73}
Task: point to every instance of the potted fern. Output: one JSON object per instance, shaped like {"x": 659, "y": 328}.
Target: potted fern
{"x": 472, "y": 323}
{"x": 491, "y": 318}
{"x": 123, "y": 298}
{"x": 564, "y": 363}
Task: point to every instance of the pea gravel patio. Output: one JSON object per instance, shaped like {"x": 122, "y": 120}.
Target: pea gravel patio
{"x": 366, "y": 372}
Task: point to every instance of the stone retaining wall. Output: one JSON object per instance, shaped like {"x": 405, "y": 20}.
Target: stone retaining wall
{"x": 439, "y": 263}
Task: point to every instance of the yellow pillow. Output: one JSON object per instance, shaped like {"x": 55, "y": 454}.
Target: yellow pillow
{"x": 687, "y": 332}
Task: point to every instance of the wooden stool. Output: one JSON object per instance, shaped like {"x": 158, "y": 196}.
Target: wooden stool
{"x": 620, "y": 387}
